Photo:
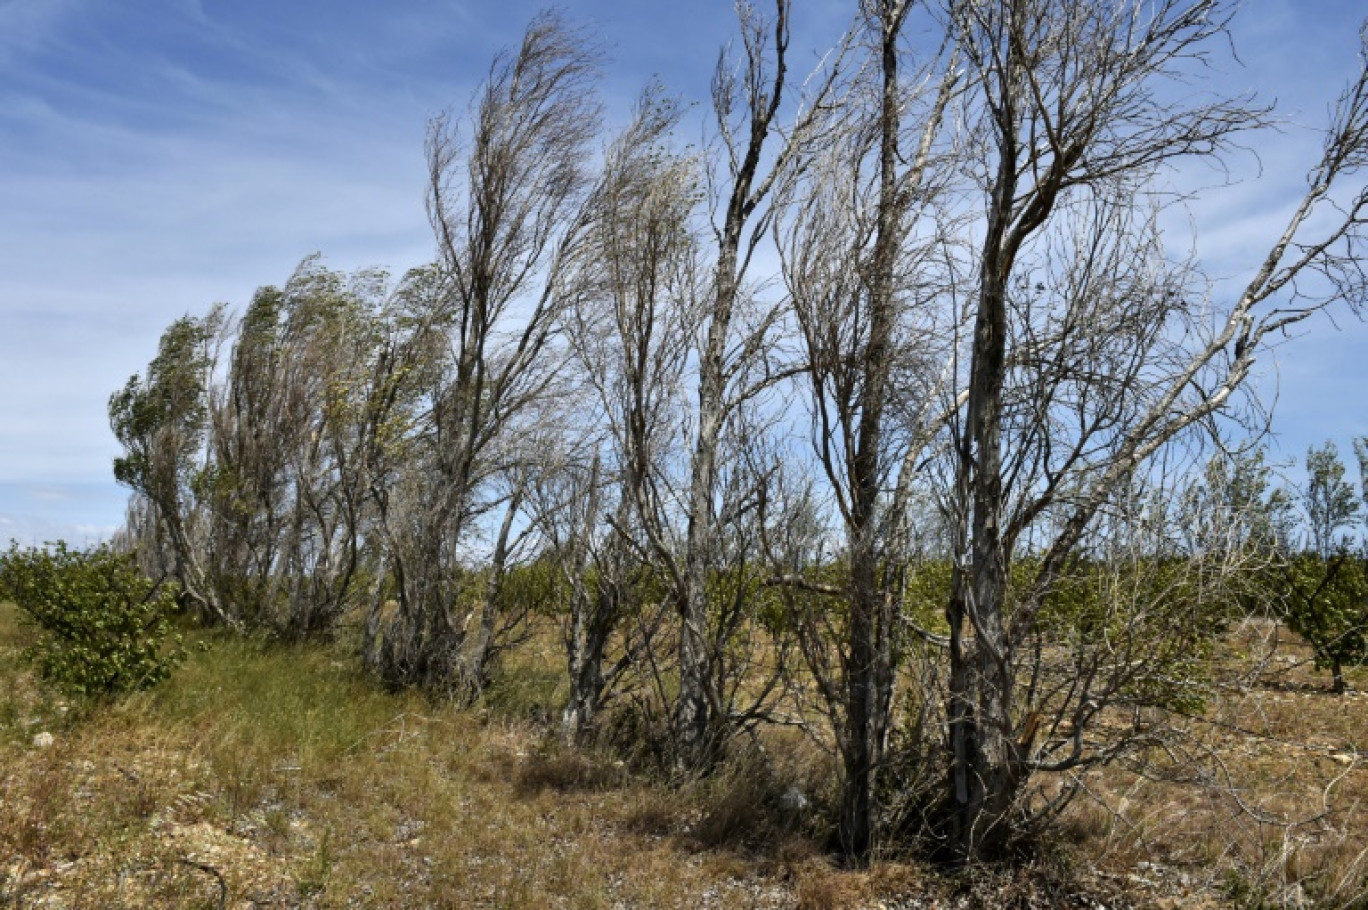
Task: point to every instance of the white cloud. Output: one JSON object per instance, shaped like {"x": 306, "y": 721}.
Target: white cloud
{"x": 81, "y": 513}
{"x": 156, "y": 158}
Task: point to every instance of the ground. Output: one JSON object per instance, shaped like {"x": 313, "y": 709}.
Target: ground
{"x": 261, "y": 776}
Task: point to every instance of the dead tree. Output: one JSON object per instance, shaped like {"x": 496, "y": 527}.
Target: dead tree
{"x": 1091, "y": 352}
{"x": 504, "y": 208}
{"x": 630, "y": 326}
{"x": 859, "y": 241}
{"x": 751, "y": 156}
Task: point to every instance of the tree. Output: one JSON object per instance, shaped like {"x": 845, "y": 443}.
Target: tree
{"x": 863, "y": 220}
{"x": 1325, "y": 601}
{"x": 160, "y": 421}
{"x": 284, "y": 488}
{"x": 677, "y": 343}
{"x": 1087, "y": 351}
{"x": 1325, "y": 591}
{"x": 505, "y": 210}
{"x": 746, "y": 112}
{"x": 630, "y": 329}
{"x": 1232, "y": 506}
{"x": 660, "y": 323}
{"x": 1232, "y": 518}
{"x": 1076, "y": 379}
{"x": 1329, "y": 501}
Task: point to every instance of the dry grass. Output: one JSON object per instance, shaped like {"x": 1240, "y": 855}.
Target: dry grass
{"x": 284, "y": 776}
{"x": 1262, "y": 801}
{"x": 266, "y": 776}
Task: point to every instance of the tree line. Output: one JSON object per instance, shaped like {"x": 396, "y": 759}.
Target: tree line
{"x": 885, "y": 412}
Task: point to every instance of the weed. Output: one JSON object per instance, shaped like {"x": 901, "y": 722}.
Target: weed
{"x": 314, "y": 878}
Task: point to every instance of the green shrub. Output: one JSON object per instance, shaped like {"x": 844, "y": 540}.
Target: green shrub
{"x": 106, "y": 626}
{"x": 1326, "y": 603}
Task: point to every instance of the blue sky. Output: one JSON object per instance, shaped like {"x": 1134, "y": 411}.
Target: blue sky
{"x": 157, "y": 156}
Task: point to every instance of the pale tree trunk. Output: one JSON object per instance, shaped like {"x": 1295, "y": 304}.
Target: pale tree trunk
{"x": 697, "y": 711}
{"x": 980, "y": 676}
{"x": 595, "y": 609}
{"x": 585, "y": 661}
{"x": 693, "y": 711}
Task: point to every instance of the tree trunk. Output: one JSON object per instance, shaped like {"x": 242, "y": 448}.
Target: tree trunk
{"x": 697, "y": 724}
{"x": 475, "y": 661}
{"x": 982, "y": 775}
{"x": 591, "y": 618}
{"x": 985, "y": 760}
{"x": 693, "y": 720}
{"x": 869, "y": 682}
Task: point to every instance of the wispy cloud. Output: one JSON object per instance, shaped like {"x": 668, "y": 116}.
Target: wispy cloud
{"x": 158, "y": 156}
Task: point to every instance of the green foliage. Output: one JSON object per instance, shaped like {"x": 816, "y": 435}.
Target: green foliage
{"x": 1326, "y": 603}
{"x": 537, "y": 586}
{"x": 160, "y": 420}
{"x": 1157, "y": 618}
{"x": 1329, "y": 499}
{"x": 1233, "y": 509}
{"x": 1361, "y": 452}
{"x": 107, "y": 626}
{"x": 928, "y": 591}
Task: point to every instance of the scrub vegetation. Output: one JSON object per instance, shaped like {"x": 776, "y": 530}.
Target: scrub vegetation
{"x": 282, "y": 775}
{"x": 863, "y": 502}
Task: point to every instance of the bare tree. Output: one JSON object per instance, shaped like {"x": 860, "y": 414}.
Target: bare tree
{"x": 504, "y": 210}
{"x": 1090, "y": 352}
{"x": 859, "y": 242}
{"x": 751, "y": 157}
{"x": 630, "y": 326}
{"x": 334, "y": 336}
{"x": 250, "y": 436}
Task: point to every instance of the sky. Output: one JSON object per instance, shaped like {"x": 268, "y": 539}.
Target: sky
{"x": 158, "y": 156}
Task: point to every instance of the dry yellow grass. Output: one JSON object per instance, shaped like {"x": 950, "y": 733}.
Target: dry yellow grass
{"x": 264, "y": 776}
{"x": 279, "y": 777}
{"x": 1263, "y": 801}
